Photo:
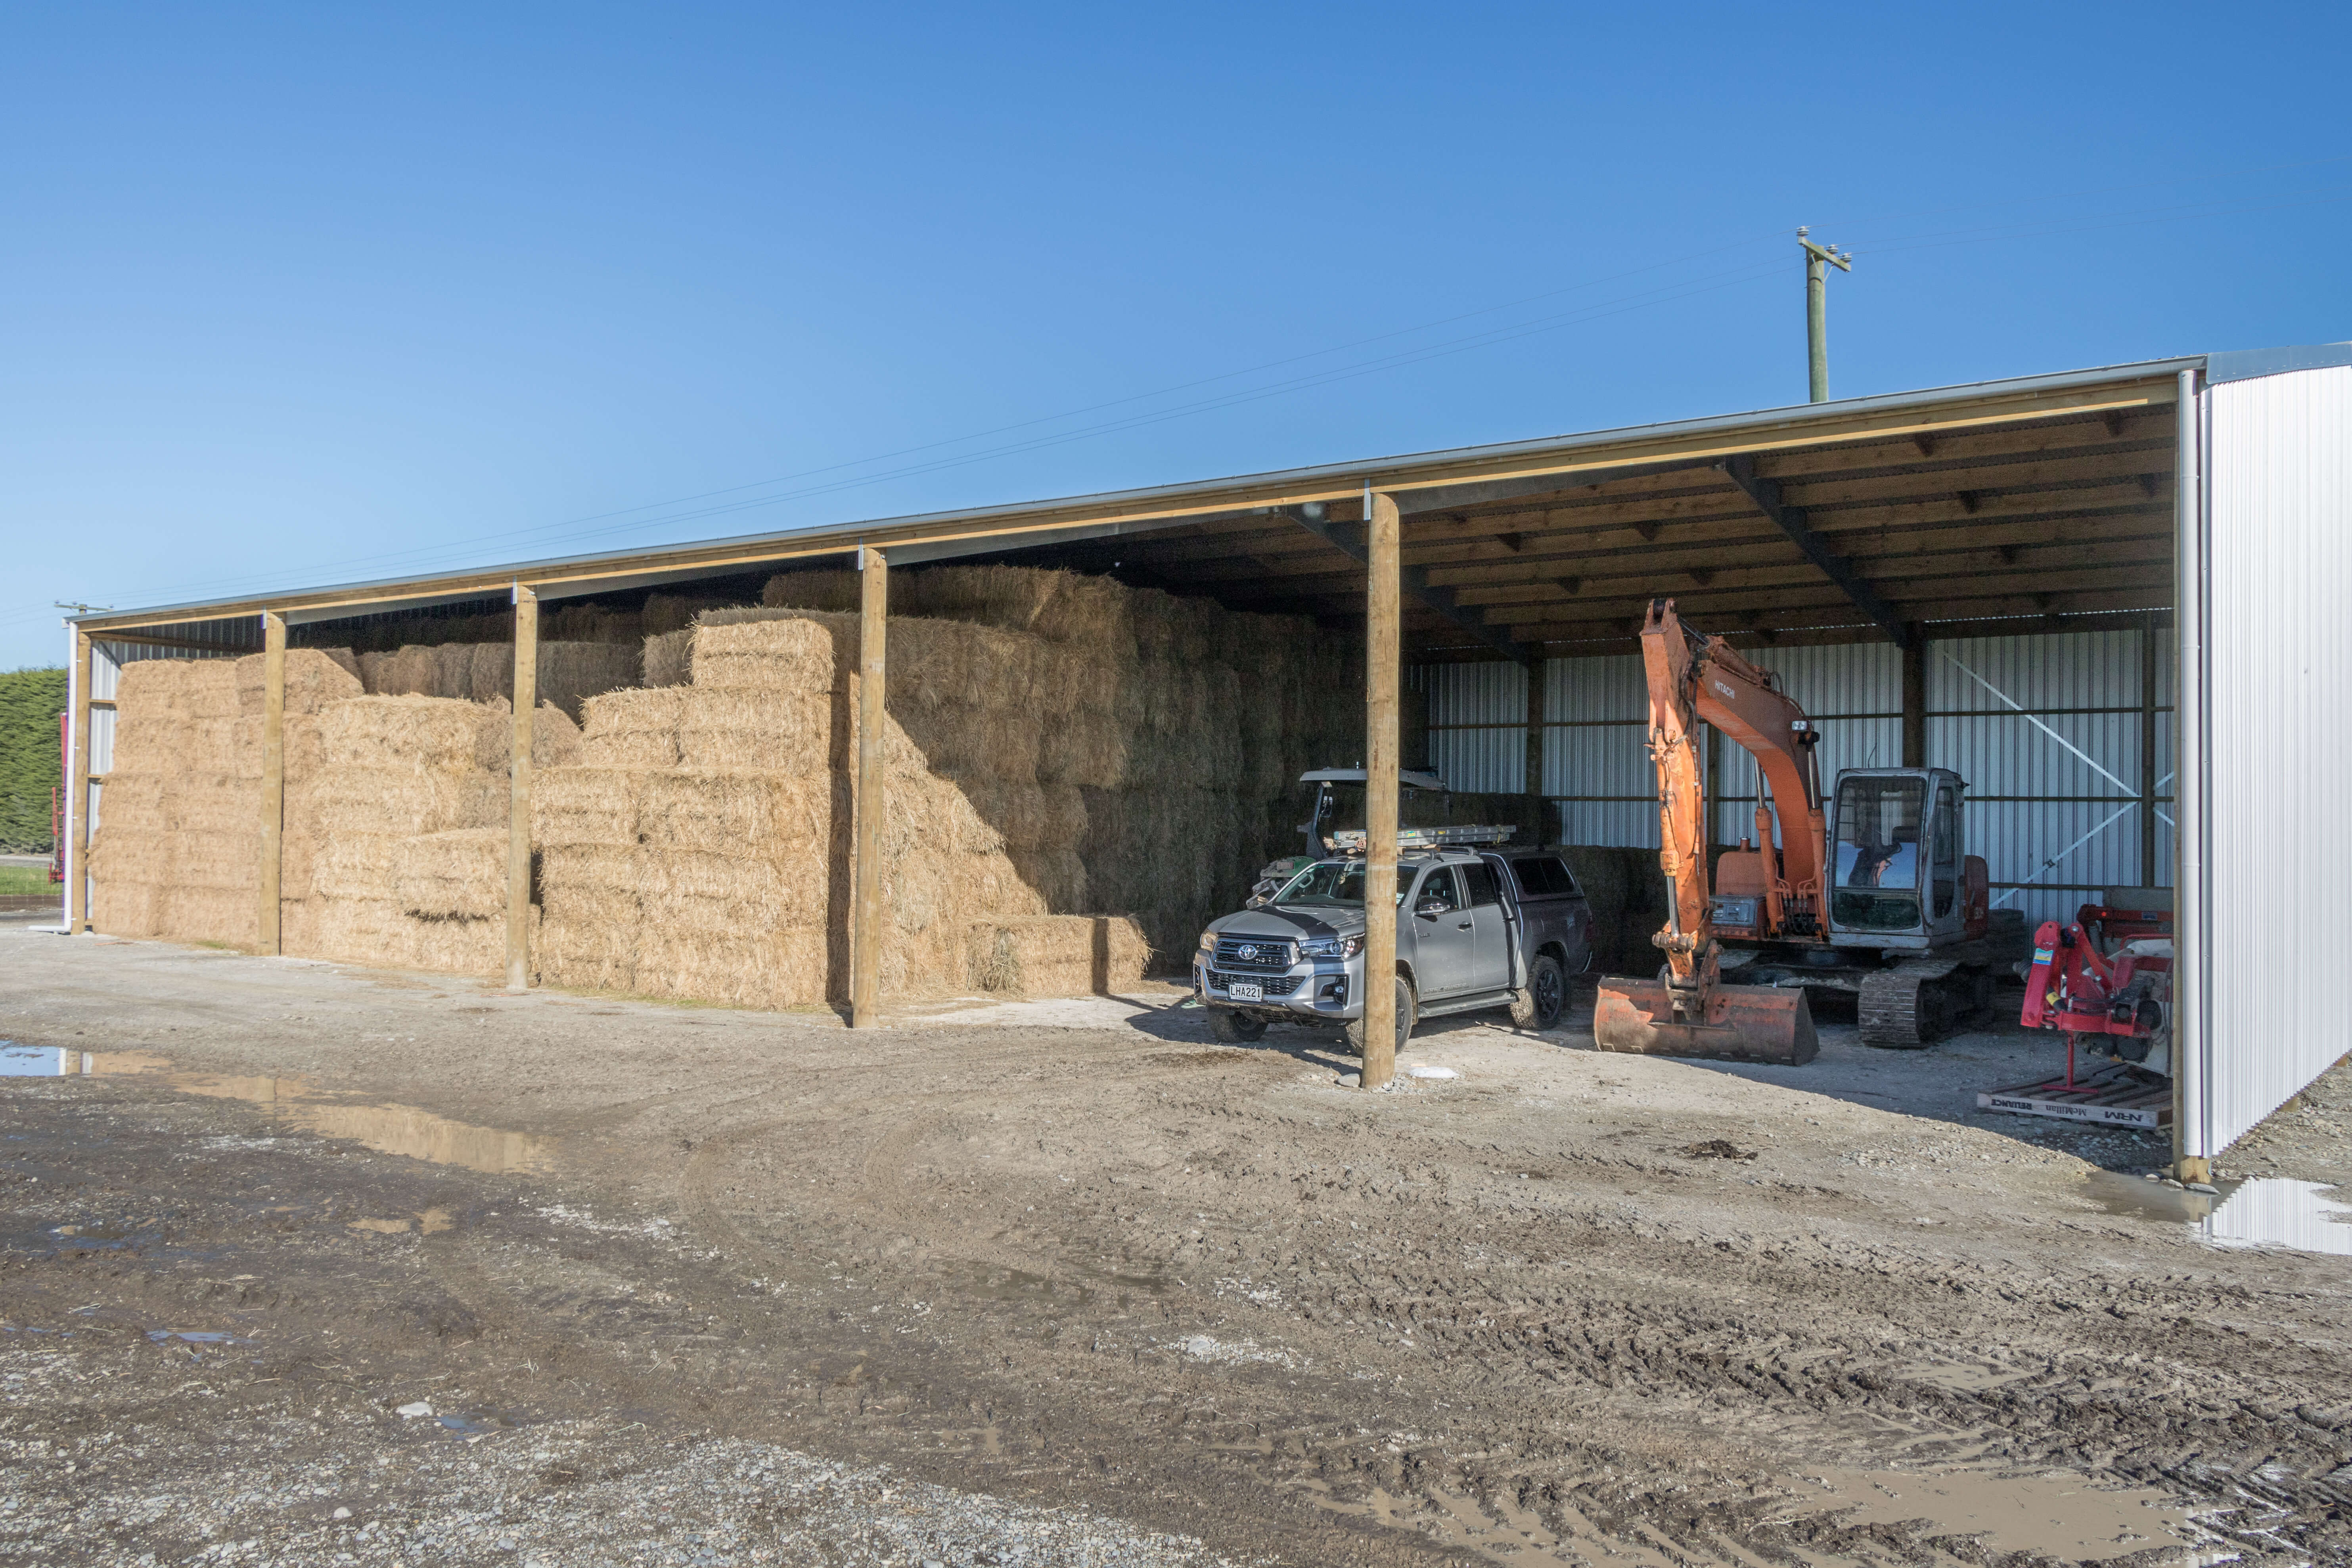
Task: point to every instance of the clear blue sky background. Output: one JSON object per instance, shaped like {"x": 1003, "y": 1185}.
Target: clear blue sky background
{"x": 303, "y": 294}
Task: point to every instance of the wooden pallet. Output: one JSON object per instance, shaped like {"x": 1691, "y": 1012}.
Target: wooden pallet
{"x": 2111, "y": 1096}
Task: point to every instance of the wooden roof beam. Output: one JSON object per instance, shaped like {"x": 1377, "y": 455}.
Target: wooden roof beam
{"x": 1350, "y": 537}
{"x": 1791, "y": 520}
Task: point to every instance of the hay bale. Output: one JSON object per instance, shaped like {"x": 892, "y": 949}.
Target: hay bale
{"x": 120, "y": 908}
{"x": 555, "y": 740}
{"x": 737, "y": 811}
{"x": 669, "y": 658}
{"x": 401, "y": 731}
{"x": 586, "y": 805}
{"x": 313, "y": 679}
{"x": 575, "y": 620}
{"x": 632, "y": 729}
{"x": 789, "y": 653}
{"x": 832, "y": 591}
{"x": 452, "y": 876}
{"x": 489, "y": 673}
{"x": 738, "y": 727}
{"x": 229, "y": 915}
{"x": 1056, "y": 955}
{"x": 746, "y": 969}
{"x": 668, "y": 613}
{"x": 590, "y": 950}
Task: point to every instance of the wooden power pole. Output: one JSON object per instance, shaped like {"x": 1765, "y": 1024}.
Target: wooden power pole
{"x": 1819, "y": 259}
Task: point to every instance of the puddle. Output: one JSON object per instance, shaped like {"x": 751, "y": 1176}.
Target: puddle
{"x": 2273, "y": 1211}
{"x": 2263, "y": 1211}
{"x": 387, "y": 1128}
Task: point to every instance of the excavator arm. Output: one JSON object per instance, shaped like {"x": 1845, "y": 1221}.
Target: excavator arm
{"x": 1695, "y": 679}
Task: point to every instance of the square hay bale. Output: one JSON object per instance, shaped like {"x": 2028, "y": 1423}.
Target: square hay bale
{"x": 118, "y": 908}
{"x": 132, "y": 802}
{"x": 121, "y": 856}
{"x": 312, "y": 680}
{"x": 220, "y": 861}
{"x": 668, "y": 612}
{"x": 359, "y": 931}
{"x": 832, "y": 591}
{"x": 408, "y": 671}
{"x": 586, "y": 805}
{"x": 1087, "y": 748}
{"x": 363, "y": 798}
{"x": 737, "y": 811}
{"x": 459, "y": 875}
{"x": 1056, "y": 955}
{"x": 575, "y": 620}
{"x": 575, "y": 878}
{"x": 669, "y": 658}
{"x": 228, "y": 915}
{"x": 407, "y": 731}
{"x": 590, "y": 949}
{"x": 218, "y": 804}
{"x": 571, "y": 672}
{"x": 488, "y": 673}
{"x": 975, "y": 743}
{"x": 748, "y": 969}
{"x": 554, "y": 738}
{"x": 149, "y": 740}
{"x": 632, "y": 729}
{"x": 749, "y": 727}
{"x": 451, "y": 944}
{"x": 299, "y": 733}
{"x": 793, "y": 654}
{"x": 354, "y": 865}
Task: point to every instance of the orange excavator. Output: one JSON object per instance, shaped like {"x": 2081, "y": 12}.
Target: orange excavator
{"x": 1866, "y": 892}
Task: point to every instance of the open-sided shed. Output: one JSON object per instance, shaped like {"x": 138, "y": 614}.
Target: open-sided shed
{"x": 2103, "y": 597}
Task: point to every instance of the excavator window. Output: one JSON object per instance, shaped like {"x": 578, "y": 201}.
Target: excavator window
{"x": 1945, "y": 865}
{"x": 1878, "y": 880}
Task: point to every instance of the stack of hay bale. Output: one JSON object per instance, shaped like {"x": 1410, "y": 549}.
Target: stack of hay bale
{"x": 177, "y": 850}
{"x": 1182, "y": 726}
{"x": 701, "y": 848}
{"x": 569, "y": 672}
{"x": 403, "y": 826}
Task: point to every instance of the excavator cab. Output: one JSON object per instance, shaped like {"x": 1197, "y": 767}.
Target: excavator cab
{"x": 1898, "y": 879}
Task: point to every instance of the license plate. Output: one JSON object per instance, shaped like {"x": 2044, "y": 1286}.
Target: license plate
{"x": 1246, "y": 991}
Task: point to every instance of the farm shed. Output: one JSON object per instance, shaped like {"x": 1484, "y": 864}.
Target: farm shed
{"x": 2097, "y": 595}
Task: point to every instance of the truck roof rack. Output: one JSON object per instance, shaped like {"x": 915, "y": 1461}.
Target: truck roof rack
{"x": 1428, "y": 838}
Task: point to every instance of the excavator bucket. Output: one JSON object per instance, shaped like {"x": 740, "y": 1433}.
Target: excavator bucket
{"x": 1744, "y": 1023}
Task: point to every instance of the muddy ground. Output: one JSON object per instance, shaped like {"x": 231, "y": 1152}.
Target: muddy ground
{"x": 1067, "y": 1283}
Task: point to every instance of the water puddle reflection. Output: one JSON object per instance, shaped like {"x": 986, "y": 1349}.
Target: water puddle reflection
{"x": 2271, "y": 1212}
{"x": 2260, "y": 1211}
{"x": 300, "y": 1103}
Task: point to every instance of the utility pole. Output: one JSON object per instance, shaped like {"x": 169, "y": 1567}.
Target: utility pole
{"x": 1819, "y": 259}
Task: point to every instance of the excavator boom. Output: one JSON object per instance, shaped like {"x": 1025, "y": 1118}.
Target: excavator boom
{"x": 1687, "y": 1010}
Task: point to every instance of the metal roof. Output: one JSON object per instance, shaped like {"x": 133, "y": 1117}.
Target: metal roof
{"x": 1461, "y": 476}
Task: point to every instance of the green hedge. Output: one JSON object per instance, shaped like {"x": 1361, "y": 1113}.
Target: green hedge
{"x": 30, "y": 702}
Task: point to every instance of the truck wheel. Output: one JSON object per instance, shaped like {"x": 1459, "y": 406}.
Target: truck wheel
{"x": 1235, "y": 1028}
{"x": 1539, "y": 1007}
{"x": 1405, "y": 1019}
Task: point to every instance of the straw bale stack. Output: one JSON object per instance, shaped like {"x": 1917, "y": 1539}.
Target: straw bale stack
{"x": 570, "y": 672}
{"x": 177, "y": 851}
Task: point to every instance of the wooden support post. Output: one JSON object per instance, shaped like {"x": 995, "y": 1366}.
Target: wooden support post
{"x": 2148, "y": 869}
{"x": 872, "y": 721}
{"x": 1537, "y": 805}
{"x": 1914, "y": 700}
{"x": 78, "y": 802}
{"x": 526, "y": 702}
{"x": 1382, "y": 655}
{"x": 273, "y": 779}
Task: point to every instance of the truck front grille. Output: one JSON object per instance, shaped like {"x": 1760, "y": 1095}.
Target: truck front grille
{"x": 1255, "y": 954}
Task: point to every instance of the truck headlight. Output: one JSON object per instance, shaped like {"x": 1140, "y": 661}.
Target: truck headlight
{"x": 1208, "y": 940}
{"x": 1333, "y": 947}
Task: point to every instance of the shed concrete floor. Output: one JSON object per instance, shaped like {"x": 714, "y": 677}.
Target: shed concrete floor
{"x": 1064, "y": 1282}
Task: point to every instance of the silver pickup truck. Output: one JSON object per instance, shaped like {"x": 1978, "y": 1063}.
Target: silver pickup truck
{"x": 1477, "y": 927}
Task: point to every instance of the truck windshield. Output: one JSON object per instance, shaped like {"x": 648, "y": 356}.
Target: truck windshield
{"x": 1329, "y": 883}
{"x": 1877, "y": 886}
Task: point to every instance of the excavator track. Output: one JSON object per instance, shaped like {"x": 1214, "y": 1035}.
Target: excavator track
{"x": 1913, "y": 1004}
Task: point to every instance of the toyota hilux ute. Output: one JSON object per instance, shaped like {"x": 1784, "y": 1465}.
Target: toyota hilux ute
{"x": 1477, "y": 927}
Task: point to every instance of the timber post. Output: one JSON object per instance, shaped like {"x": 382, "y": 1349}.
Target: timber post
{"x": 1538, "y": 810}
{"x": 78, "y": 802}
{"x": 1914, "y": 700}
{"x": 866, "y": 929}
{"x": 1383, "y": 653}
{"x": 267, "y": 939}
{"x": 526, "y": 701}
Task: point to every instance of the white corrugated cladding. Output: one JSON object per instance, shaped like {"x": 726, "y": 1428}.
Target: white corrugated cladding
{"x": 1481, "y": 745}
{"x": 2047, "y": 732}
{"x": 2045, "y": 728}
{"x": 2277, "y": 850}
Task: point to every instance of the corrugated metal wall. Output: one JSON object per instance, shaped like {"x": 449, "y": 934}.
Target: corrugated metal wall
{"x": 2046, "y": 728}
{"x": 2277, "y": 839}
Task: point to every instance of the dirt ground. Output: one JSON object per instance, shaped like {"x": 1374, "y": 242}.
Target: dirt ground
{"x": 306, "y": 1264}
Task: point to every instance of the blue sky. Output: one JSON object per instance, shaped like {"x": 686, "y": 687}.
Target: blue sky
{"x": 297, "y": 295}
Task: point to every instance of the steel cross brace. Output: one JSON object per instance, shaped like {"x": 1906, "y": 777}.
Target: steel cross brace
{"x": 1791, "y": 520}
{"x": 1350, "y": 537}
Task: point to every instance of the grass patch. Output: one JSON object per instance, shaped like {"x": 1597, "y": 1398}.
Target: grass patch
{"x": 19, "y": 879}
